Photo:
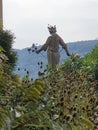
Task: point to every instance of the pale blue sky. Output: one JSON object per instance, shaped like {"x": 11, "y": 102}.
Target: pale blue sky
{"x": 76, "y": 20}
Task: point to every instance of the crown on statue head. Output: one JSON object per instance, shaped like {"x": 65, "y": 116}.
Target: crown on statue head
{"x": 52, "y": 29}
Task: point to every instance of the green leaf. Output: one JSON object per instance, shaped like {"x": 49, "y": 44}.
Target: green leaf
{"x": 87, "y": 122}
{"x": 1, "y": 49}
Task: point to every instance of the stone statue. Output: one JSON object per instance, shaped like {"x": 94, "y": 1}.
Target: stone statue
{"x": 52, "y": 47}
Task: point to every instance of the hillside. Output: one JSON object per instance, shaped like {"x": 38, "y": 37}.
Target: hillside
{"x": 28, "y": 60}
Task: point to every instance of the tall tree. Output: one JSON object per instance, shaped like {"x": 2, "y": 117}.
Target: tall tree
{"x": 6, "y": 41}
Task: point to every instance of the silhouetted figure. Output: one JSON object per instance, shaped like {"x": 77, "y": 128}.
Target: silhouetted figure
{"x": 52, "y": 47}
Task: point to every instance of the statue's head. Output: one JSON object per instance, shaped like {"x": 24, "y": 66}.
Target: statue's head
{"x": 52, "y": 29}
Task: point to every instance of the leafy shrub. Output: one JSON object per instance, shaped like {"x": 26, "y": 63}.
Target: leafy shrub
{"x": 91, "y": 61}
{"x": 69, "y": 98}
{"x": 64, "y": 98}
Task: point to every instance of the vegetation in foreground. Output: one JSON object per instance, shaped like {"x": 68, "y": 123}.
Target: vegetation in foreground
{"x": 63, "y": 99}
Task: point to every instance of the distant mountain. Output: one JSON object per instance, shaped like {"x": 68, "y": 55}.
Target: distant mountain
{"x": 32, "y": 63}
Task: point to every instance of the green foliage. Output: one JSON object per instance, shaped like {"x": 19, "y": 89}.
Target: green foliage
{"x": 91, "y": 61}
{"x": 7, "y": 80}
{"x": 6, "y": 41}
{"x": 65, "y": 98}
{"x": 27, "y": 107}
{"x": 68, "y": 96}
{"x": 4, "y": 115}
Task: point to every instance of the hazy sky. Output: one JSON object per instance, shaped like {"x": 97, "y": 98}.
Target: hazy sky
{"x": 76, "y": 20}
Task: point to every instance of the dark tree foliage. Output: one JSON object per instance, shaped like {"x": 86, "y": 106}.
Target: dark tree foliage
{"x": 6, "y": 41}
